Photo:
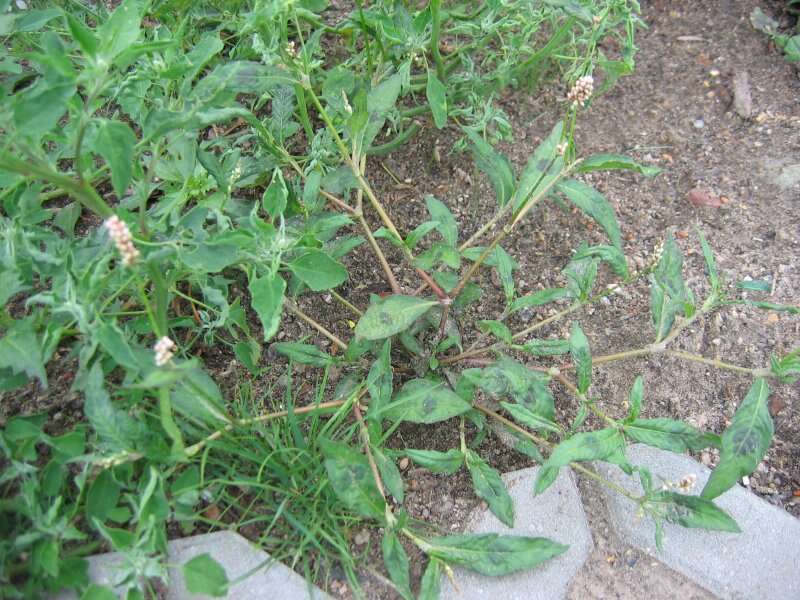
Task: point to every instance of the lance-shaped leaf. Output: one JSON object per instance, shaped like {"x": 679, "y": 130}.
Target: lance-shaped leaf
{"x": 492, "y": 554}
{"x": 690, "y": 511}
{"x": 608, "y": 162}
{"x": 544, "y": 347}
{"x": 396, "y": 561}
{"x": 494, "y": 164}
{"x": 390, "y": 474}
{"x": 352, "y": 479}
{"x": 604, "y": 444}
{"x": 509, "y": 378}
{"x": 744, "y": 442}
{"x": 114, "y": 141}
{"x": 438, "y": 462}
{"x": 430, "y": 586}
{"x": 306, "y": 354}
{"x": 609, "y": 254}
{"x": 379, "y": 381}
{"x": 635, "y": 399}
{"x": 497, "y": 329}
{"x": 529, "y": 418}
{"x": 444, "y": 219}
{"x": 391, "y": 315}
{"x": 538, "y": 298}
{"x": 543, "y": 167}
{"x": 581, "y": 357}
{"x": 594, "y": 205}
{"x": 490, "y": 487}
{"x": 318, "y": 270}
{"x": 436, "y": 94}
{"x": 425, "y": 401}
{"x": 668, "y": 434}
{"x": 668, "y": 292}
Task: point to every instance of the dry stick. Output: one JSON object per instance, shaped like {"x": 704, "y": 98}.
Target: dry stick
{"x": 345, "y": 302}
{"x": 542, "y": 442}
{"x": 296, "y": 310}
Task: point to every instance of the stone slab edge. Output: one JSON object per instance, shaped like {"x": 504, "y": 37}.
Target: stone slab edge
{"x": 761, "y": 562}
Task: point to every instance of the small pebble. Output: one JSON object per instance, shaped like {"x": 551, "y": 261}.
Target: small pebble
{"x": 699, "y": 123}
{"x": 746, "y": 481}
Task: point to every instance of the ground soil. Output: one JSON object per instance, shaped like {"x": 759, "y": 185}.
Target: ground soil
{"x": 676, "y": 111}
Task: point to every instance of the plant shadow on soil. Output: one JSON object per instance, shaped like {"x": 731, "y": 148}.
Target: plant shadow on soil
{"x": 675, "y": 112}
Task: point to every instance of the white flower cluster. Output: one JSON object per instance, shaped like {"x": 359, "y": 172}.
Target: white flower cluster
{"x": 164, "y": 350}
{"x": 581, "y": 92}
{"x": 684, "y": 485}
{"x": 121, "y": 236}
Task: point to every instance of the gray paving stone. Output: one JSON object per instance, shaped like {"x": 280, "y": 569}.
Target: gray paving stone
{"x": 558, "y": 515}
{"x": 234, "y": 553}
{"x": 762, "y": 562}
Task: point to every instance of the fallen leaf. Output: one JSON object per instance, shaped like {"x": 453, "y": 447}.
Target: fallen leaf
{"x": 698, "y": 197}
{"x": 772, "y": 318}
{"x": 212, "y": 512}
{"x": 776, "y": 405}
{"x": 682, "y": 234}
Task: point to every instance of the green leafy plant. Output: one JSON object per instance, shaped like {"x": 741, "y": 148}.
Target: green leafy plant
{"x": 176, "y": 175}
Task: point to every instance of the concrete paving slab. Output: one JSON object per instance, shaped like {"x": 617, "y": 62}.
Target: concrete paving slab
{"x": 761, "y": 562}
{"x": 558, "y": 515}
{"x": 236, "y": 555}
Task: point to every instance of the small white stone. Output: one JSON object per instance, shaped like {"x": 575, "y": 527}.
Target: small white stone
{"x": 746, "y": 481}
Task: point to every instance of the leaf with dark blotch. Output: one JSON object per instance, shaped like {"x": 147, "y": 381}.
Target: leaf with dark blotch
{"x": 591, "y": 445}
{"x": 396, "y": 561}
{"x": 389, "y": 316}
{"x": 352, "y": 479}
{"x": 744, "y": 442}
{"x": 490, "y": 487}
{"x": 438, "y": 462}
{"x": 690, "y": 511}
{"x": 581, "y": 357}
{"x": 542, "y": 167}
{"x": 669, "y": 434}
{"x": 492, "y": 554}
{"x": 379, "y": 380}
{"x": 424, "y": 401}
{"x": 509, "y": 378}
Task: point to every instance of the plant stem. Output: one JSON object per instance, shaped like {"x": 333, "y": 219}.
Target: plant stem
{"x": 346, "y": 303}
{"x": 387, "y": 269}
{"x": 303, "y": 316}
{"x": 367, "y": 450}
{"x": 720, "y": 364}
{"x": 436, "y": 26}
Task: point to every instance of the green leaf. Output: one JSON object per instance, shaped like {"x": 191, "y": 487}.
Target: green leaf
{"x": 608, "y": 162}
{"x": 690, "y": 511}
{"x": 544, "y": 347}
{"x": 379, "y": 381}
{"x": 635, "y": 399}
{"x": 425, "y": 401}
{"x": 744, "y": 442}
{"x": 98, "y": 592}
{"x": 438, "y": 462}
{"x": 581, "y": 275}
{"x": 591, "y": 445}
{"x": 667, "y": 434}
{"x": 33, "y": 20}
{"x": 390, "y": 475}
{"x": 497, "y": 329}
{"x": 83, "y": 35}
{"x": 610, "y": 254}
{"x": 112, "y": 340}
{"x": 581, "y": 357}
{"x": 543, "y": 167}
{"x": 444, "y": 219}
{"x": 492, "y": 554}
{"x": 21, "y": 351}
{"x": 538, "y": 298}
{"x": 121, "y": 30}
{"x": 267, "y": 300}
{"x": 210, "y": 257}
{"x": 668, "y": 292}
{"x": 318, "y": 270}
{"x": 594, "y": 205}
{"x": 490, "y": 487}
{"x": 352, "y": 480}
{"x": 388, "y": 316}
{"x": 531, "y": 419}
{"x": 495, "y": 165}
{"x": 756, "y": 285}
{"x": 204, "y": 575}
{"x": 711, "y": 263}
{"x": 38, "y": 109}
{"x": 396, "y": 561}
{"x": 413, "y": 238}
{"x": 102, "y": 496}
{"x": 437, "y": 99}
{"x": 275, "y": 196}
{"x": 115, "y": 141}
{"x": 509, "y": 378}
{"x": 305, "y": 354}
{"x": 430, "y": 586}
